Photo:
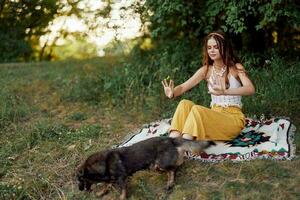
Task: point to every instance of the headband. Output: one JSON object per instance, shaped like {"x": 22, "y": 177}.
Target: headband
{"x": 218, "y": 34}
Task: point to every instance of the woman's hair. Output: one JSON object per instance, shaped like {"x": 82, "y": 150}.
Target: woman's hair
{"x": 226, "y": 52}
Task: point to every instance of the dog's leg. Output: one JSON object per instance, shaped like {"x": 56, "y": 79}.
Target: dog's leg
{"x": 123, "y": 194}
{"x": 88, "y": 186}
{"x": 123, "y": 185}
{"x": 171, "y": 179}
{"x": 104, "y": 190}
{"x": 180, "y": 158}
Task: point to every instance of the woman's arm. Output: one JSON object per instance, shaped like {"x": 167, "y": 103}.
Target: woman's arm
{"x": 191, "y": 82}
{"x": 247, "y": 85}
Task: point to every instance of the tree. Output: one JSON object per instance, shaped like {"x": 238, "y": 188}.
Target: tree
{"x": 255, "y": 25}
{"x": 20, "y": 20}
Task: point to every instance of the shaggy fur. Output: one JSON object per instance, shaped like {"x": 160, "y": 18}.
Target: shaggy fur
{"x": 116, "y": 165}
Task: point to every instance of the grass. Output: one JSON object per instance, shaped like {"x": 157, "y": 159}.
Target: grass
{"x": 53, "y": 115}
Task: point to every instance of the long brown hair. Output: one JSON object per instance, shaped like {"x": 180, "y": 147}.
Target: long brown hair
{"x": 226, "y": 52}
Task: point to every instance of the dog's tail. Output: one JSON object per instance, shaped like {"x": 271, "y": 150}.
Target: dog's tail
{"x": 194, "y": 146}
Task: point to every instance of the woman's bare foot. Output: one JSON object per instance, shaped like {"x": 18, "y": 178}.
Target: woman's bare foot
{"x": 174, "y": 134}
{"x": 187, "y": 137}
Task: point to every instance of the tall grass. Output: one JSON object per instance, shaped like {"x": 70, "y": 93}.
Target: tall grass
{"x": 139, "y": 83}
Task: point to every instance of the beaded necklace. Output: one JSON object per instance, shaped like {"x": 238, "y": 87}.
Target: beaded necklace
{"x": 221, "y": 74}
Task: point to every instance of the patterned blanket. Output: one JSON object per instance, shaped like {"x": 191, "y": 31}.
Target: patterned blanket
{"x": 270, "y": 139}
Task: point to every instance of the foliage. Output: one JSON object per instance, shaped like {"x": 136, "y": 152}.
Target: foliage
{"x": 23, "y": 23}
{"x": 248, "y": 21}
{"x": 256, "y": 26}
{"x": 75, "y": 48}
{"x": 143, "y": 77}
{"x": 19, "y": 21}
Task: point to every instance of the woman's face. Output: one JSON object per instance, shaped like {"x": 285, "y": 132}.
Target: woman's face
{"x": 213, "y": 49}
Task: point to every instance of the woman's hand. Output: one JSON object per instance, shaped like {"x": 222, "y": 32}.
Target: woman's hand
{"x": 168, "y": 88}
{"x": 216, "y": 87}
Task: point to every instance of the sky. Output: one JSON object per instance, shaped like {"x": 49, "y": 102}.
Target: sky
{"x": 129, "y": 24}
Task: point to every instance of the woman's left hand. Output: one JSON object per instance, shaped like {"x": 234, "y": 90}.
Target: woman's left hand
{"x": 216, "y": 88}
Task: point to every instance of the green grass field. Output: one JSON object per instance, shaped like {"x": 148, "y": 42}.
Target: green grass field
{"x": 53, "y": 115}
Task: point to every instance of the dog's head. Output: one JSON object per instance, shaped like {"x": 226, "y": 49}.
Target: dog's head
{"x": 93, "y": 170}
{"x": 83, "y": 182}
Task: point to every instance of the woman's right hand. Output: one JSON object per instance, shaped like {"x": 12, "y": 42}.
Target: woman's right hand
{"x": 168, "y": 88}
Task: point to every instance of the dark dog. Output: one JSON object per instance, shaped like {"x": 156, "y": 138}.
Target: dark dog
{"x": 116, "y": 165}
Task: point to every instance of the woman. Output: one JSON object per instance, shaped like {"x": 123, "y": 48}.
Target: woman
{"x": 227, "y": 81}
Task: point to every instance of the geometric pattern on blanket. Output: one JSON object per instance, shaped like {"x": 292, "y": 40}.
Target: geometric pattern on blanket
{"x": 260, "y": 139}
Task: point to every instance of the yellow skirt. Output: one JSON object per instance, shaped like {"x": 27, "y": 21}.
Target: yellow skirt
{"x": 217, "y": 123}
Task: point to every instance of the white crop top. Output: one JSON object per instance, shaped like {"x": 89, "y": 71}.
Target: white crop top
{"x": 228, "y": 100}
